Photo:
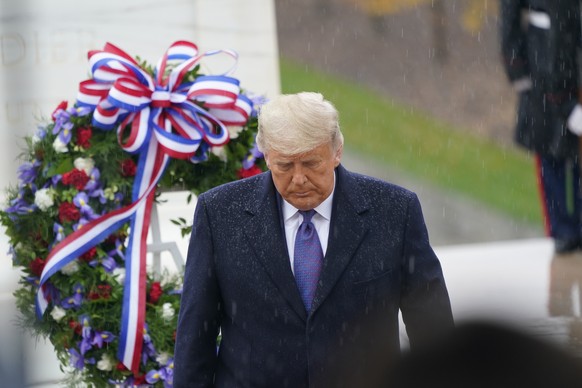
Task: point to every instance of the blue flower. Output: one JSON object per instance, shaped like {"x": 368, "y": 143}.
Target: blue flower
{"x": 148, "y": 350}
{"x": 33, "y": 280}
{"x": 20, "y": 206}
{"x": 102, "y": 337}
{"x": 75, "y": 300}
{"x": 85, "y": 345}
{"x": 59, "y": 232}
{"x": 257, "y": 101}
{"x": 27, "y": 172}
{"x": 62, "y": 118}
{"x": 56, "y": 179}
{"x": 254, "y": 154}
{"x": 119, "y": 247}
{"x": 40, "y": 132}
{"x": 118, "y": 198}
{"x": 66, "y": 134}
{"x": 166, "y": 374}
{"x": 77, "y": 360}
{"x": 153, "y": 376}
{"x": 81, "y": 200}
{"x": 93, "y": 185}
{"x": 79, "y": 225}
{"x": 108, "y": 263}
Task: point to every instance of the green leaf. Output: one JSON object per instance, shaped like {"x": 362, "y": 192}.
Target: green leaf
{"x": 63, "y": 166}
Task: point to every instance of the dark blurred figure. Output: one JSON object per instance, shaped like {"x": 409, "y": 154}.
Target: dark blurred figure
{"x": 486, "y": 355}
{"x": 540, "y": 40}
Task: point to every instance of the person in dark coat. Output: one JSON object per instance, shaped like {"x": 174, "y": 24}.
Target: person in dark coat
{"x": 482, "y": 354}
{"x": 242, "y": 273}
{"x": 540, "y": 41}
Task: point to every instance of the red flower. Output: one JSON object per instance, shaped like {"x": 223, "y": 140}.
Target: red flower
{"x": 254, "y": 170}
{"x": 103, "y": 291}
{"x": 139, "y": 380}
{"x": 68, "y": 212}
{"x": 120, "y": 366}
{"x": 76, "y": 326}
{"x": 77, "y": 178}
{"x": 89, "y": 255}
{"x": 84, "y": 136}
{"x": 128, "y": 168}
{"x": 62, "y": 106}
{"x": 36, "y": 266}
{"x": 37, "y": 238}
{"x": 155, "y": 292}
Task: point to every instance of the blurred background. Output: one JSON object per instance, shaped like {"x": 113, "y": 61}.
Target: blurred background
{"x": 424, "y": 103}
{"x": 422, "y": 91}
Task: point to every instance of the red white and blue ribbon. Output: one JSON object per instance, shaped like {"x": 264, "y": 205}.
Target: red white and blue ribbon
{"x": 156, "y": 117}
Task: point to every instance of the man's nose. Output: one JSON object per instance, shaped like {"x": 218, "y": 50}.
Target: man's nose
{"x": 299, "y": 177}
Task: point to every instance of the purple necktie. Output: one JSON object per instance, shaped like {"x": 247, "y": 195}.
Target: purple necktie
{"x": 308, "y": 258}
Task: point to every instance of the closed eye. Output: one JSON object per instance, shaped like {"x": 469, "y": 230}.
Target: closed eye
{"x": 311, "y": 164}
{"x": 284, "y": 166}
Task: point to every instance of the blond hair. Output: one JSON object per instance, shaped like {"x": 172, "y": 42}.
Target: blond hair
{"x": 293, "y": 124}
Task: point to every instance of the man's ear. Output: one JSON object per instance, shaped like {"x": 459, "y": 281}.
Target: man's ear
{"x": 338, "y": 155}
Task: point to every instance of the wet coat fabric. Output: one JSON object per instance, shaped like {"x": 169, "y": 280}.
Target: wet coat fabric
{"x": 238, "y": 279}
{"x": 539, "y": 40}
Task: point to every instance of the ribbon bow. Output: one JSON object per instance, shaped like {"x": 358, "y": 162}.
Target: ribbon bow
{"x": 157, "y": 117}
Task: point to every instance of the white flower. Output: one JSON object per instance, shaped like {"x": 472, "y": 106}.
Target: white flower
{"x": 85, "y": 164}
{"x": 105, "y": 364}
{"x": 35, "y": 139}
{"x": 168, "y": 311}
{"x": 59, "y": 146}
{"x": 168, "y": 277}
{"x": 43, "y": 199}
{"x": 233, "y": 131}
{"x": 58, "y": 313}
{"x": 119, "y": 274}
{"x": 70, "y": 268}
{"x": 163, "y": 358}
{"x": 220, "y": 152}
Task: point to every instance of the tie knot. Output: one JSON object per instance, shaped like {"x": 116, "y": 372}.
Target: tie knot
{"x": 307, "y": 214}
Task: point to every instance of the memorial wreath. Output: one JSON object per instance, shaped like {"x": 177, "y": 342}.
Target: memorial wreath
{"x": 79, "y": 216}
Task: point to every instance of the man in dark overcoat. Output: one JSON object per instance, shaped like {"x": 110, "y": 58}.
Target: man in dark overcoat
{"x": 304, "y": 269}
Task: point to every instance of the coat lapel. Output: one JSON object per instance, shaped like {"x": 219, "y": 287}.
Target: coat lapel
{"x": 347, "y": 231}
{"x": 264, "y": 232}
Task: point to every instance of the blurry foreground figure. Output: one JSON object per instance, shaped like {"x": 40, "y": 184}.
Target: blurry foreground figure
{"x": 304, "y": 268}
{"x": 540, "y": 41}
{"x": 485, "y": 355}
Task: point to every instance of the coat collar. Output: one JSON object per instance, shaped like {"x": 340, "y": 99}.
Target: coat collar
{"x": 347, "y": 229}
{"x": 265, "y": 233}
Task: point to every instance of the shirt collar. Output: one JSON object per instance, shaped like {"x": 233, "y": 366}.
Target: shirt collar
{"x": 324, "y": 208}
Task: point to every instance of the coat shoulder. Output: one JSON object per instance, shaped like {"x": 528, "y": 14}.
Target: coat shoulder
{"x": 368, "y": 185}
{"x": 238, "y": 195}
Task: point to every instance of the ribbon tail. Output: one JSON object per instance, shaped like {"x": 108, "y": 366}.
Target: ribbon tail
{"x": 134, "y": 297}
{"x": 151, "y": 166}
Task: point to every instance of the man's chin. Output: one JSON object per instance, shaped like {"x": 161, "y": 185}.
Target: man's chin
{"x": 306, "y": 204}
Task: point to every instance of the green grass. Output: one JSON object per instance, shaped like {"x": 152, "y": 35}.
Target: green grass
{"x": 391, "y": 134}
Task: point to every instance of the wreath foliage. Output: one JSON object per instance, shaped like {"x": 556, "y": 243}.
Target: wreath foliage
{"x": 73, "y": 172}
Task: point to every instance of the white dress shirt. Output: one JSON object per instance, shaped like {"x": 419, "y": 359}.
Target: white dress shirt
{"x": 293, "y": 219}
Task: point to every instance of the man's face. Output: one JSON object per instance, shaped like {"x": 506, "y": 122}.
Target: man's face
{"x": 304, "y": 180}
